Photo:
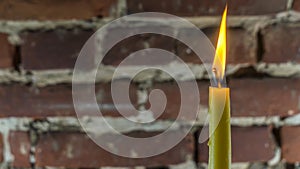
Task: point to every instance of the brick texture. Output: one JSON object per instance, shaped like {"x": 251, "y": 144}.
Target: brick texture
{"x": 55, "y": 100}
{"x": 76, "y": 150}
{"x": 1, "y": 148}
{"x": 280, "y": 44}
{"x": 173, "y": 96}
{"x": 249, "y": 144}
{"x": 54, "y": 49}
{"x": 241, "y": 46}
{"x": 7, "y": 52}
{"x": 55, "y": 10}
{"x": 206, "y": 7}
{"x": 260, "y": 97}
{"x": 296, "y": 5}
{"x": 20, "y": 148}
{"x": 124, "y": 48}
{"x": 290, "y": 139}
{"x": 37, "y": 37}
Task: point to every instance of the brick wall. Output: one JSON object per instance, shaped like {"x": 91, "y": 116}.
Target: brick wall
{"x": 39, "y": 44}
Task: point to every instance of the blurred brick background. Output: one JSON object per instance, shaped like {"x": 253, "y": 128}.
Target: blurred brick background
{"x": 39, "y": 44}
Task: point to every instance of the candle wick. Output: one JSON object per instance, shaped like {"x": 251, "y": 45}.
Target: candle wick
{"x": 217, "y": 77}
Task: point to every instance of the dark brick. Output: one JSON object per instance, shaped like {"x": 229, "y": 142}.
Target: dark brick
{"x": 264, "y": 97}
{"x": 173, "y": 96}
{"x": 296, "y": 5}
{"x": 206, "y": 7}
{"x": 241, "y": 46}
{"x": 249, "y": 144}
{"x": 6, "y": 52}
{"x": 76, "y": 150}
{"x": 256, "y": 7}
{"x": 55, "y": 9}
{"x": 290, "y": 139}
{"x": 138, "y": 42}
{"x": 54, "y": 49}
{"x": 20, "y": 148}
{"x": 280, "y": 43}
{"x": 55, "y": 100}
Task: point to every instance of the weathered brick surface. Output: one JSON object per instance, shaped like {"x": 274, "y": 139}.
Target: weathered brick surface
{"x": 55, "y": 100}
{"x": 55, "y": 10}
{"x": 241, "y": 46}
{"x": 123, "y": 49}
{"x": 54, "y": 49}
{"x": 51, "y": 48}
{"x": 296, "y": 5}
{"x": 76, "y": 150}
{"x": 1, "y": 148}
{"x": 249, "y": 144}
{"x": 281, "y": 44}
{"x": 7, "y": 52}
{"x": 264, "y": 97}
{"x": 290, "y": 139}
{"x": 256, "y": 7}
{"x": 20, "y": 147}
{"x": 206, "y": 7}
{"x": 173, "y": 96}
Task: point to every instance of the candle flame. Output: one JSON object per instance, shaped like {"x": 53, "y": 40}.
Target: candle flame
{"x": 220, "y": 55}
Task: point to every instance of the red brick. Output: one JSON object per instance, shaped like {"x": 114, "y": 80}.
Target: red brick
{"x": 20, "y": 148}
{"x": 280, "y": 43}
{"x": 134, "y": 43}
{"x": 173, "y": 97}
{"x": 54, "y": 100}
{"x": 6, "y": 52}
{"x": 256, "y": 7}
{"x": 206, "y": 7}
{"x": 1, "y": 148}
{"x": 264, "y": 97}
{"x": 241, "y": 46}
{"x": 55, "y": 10}
{"x": 249, "y": 144}
{"x": 76, "y": 150}
{"x": 290, "y": 139}
{"x": 296, "y": 5}
{"x": 54, "y": 49}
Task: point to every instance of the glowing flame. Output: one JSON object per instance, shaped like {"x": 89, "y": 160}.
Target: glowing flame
{"x": 220, "y": 56}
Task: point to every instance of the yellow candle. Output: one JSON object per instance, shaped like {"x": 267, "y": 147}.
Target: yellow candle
{"x": 219, "y": 128}
{"x": 219, "y": 108}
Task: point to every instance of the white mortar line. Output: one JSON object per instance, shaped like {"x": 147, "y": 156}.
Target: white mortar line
{"x": 289, "y": 4}
{"x": 136, "y": 167}
{"x": 7, "y": 125}
{"x": 277, "y": 157}
{"x": 292, "y": 120}
{"x": 242, "y": 165}
{"x": 186, "y": 165}
{"x": 105, "y": 74}
{"x": 121, "y": 8}
{"x": 58, "y": 123}
{"x": 50, "y": 77}
{"x": 279, "y": 70}
{"x": 255, "y": 121}
{"x": 13, "y": 27}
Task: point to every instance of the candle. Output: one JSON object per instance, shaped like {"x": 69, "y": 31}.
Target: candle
{"x": 219, "y": 108}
